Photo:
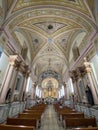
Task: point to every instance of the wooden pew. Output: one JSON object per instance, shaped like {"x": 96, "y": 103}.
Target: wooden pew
{"x": 79, "y": 122}
{"x": 19, "y": 121}
{"x": 72, "y": 115}
{"x": 33, "y": 111}
{"x": 61, "y": 114}
{"x": 62, "y": 111}
{"x": 89, "y": 128}
{"x": 13, "y": 127}
{"x": 40, "y": 107}
{"x": 65, "y": 111}
{"x": 30, "y": 115}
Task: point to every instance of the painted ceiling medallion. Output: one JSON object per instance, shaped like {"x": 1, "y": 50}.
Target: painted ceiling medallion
{"x": 50, "y": 40}
{"x": 50, "y": 27}
{"x": 36, "y": 41}
{"x": 63, "y": 40}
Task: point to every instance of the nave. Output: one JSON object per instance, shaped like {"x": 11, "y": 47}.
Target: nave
{"x": 50, "y": 120}
{"x": 48, "y": 55}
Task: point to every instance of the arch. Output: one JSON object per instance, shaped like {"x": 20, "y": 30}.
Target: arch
{"x": 74, "y": 49}
{"x": 24, "y": 44}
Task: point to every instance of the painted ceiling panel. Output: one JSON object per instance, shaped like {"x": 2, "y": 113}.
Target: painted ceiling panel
{"x": 36, "y": 41}
{"x": 38, "y": 15}
{"x": 50, "y": 27}
{"x": 20, "y": 37}
{"x": 76, "y": 4}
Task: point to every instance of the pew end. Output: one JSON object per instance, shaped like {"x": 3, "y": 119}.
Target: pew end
{"x": 79, "y": 122}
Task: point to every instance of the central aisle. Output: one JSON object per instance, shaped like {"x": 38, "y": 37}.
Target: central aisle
{"x": 50, "y": 120}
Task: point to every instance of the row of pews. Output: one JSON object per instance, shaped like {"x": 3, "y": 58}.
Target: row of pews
{"x": 73, "y": 120}
{"x": 28, "y": 120}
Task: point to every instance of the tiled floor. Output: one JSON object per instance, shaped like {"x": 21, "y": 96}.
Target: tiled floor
{"x": 50, "y": 120}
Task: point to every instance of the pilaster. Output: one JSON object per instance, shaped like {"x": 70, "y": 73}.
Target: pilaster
{"x": 91, "y": 84}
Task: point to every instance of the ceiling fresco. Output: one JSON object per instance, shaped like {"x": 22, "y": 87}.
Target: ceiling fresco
{"x": 49, "y": 28}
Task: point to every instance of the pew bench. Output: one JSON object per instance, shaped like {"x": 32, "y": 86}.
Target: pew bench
{"x": 15, "y": 127}
{"x": 72, "y": 115}
{"x": 19, "y": 121}
{"x": 62, "y": 111}
{"x": 30, "y": 115}
{"x": 79, "y": 122}
{"x": 33, "y": 111}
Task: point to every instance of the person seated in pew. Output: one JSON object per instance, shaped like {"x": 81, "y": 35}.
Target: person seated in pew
{"x": 60, "y": 106}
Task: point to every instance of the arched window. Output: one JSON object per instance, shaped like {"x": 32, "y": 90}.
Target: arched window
{"x": 37, "y": 91}
{"x": 18, "y": 82}
{"x": 62, "y": 91}
{"x": 71, "y": 87}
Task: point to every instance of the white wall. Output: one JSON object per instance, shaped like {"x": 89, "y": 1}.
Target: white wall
{"x": 4, "y": 63}
{"x": 94, "y": 61}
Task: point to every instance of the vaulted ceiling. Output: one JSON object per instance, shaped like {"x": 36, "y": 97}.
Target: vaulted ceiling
{"x": 49, "y": 28}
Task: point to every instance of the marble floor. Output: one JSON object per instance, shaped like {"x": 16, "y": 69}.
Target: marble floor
{"x": 50, "y": 120}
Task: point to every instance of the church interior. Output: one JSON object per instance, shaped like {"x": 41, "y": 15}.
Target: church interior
{"x": 49, "y": 64}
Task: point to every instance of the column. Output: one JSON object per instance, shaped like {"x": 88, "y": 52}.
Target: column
{"x": 8, "y": 78}
{"x": 74, "y": 75}
{"x": 17, "y": 67}
{"x": 24, "y": 83}
{"x": 64, "y": 90}
{"x": 32, "y": 95}
{"x": 22, "y": 92}
{"x": 82, "y": 74}
{"x": 91, "y": 84}
{"x": 34, "y": 90}
{"x": 67, "y": 91}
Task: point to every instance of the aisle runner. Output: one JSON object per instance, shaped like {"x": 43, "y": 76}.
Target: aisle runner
{"x": 50, "y": 120}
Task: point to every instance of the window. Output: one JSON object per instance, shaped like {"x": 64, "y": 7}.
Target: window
{"x": 71, "y": 87}
{"x": 1, "y": 50}
{"x": 18, "y": 83}
{"x": 29, "y": 84}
